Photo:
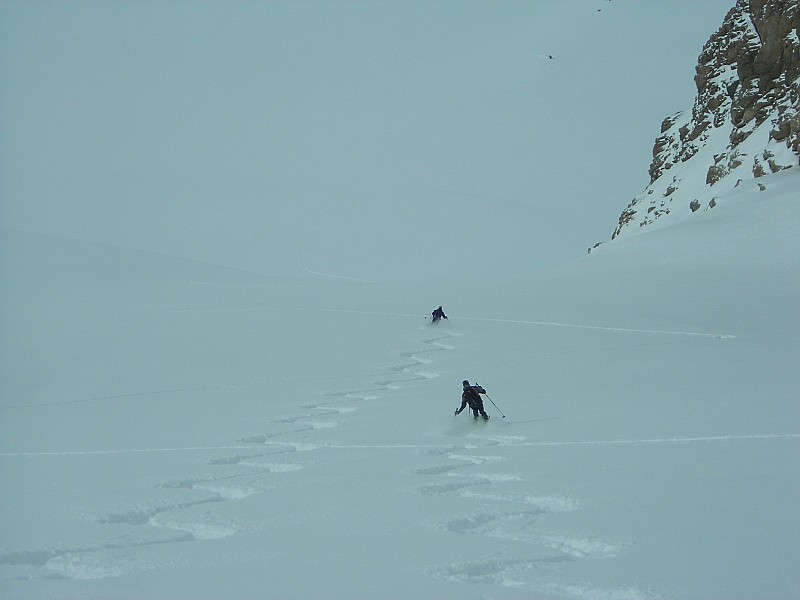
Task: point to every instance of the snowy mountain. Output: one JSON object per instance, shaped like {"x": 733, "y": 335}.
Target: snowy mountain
{"x": 208, "y": 392}
{"x": 745, "y": 122}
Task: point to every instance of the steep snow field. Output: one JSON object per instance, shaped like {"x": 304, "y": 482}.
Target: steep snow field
{"x": 223, "y": 230}
{"x": 178, "y": 430}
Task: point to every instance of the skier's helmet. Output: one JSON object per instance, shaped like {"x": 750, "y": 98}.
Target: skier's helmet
{"x": 465, "y": 384}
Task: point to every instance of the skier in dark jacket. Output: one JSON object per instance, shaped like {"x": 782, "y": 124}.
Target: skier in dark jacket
{"x": 471, "y": 396}
{"x": 438, "y": 314}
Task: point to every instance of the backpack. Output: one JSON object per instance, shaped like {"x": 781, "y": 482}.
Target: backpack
{"x": 473, "y": 395}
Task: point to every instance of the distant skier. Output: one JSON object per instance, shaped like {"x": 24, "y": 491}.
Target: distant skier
{"x": 471, "y": 396}
{"x": 437, "y": 314}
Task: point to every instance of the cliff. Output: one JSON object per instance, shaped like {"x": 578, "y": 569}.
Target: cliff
{"x": 745, "y": 121}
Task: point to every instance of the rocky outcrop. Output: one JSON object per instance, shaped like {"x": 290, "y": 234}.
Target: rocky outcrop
{"x": 745, "y": 121}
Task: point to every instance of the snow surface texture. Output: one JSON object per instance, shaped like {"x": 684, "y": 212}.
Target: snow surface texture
{"x": 174, "y": 429}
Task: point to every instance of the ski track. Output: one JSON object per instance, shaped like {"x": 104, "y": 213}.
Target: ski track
{"x": 259, "y": 462}
{"x": 262, "y": 459}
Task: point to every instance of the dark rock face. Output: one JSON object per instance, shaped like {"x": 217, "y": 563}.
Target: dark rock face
{"x": 745, "y": 118}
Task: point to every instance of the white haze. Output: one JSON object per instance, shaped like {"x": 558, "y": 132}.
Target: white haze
{"x": 280, "y": 424}
{"x": 367, "y": 138}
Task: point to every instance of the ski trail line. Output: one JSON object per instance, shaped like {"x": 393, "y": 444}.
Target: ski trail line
{"x": 673, "y": 440}
{"x": 723, "y": 336}
{"x": 601, "y": 328}
{"x": 307, "y": 270}
{"x": 126, "y": 451}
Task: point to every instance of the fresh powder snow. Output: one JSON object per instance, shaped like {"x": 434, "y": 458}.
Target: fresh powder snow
{"x": 219, "y": 378}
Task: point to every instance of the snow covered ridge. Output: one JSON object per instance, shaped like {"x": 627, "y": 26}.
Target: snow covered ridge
{"x": 745, "y": 122}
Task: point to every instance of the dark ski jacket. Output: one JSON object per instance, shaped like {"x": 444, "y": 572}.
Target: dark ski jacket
{"x": 472, "y": 397}
{"x": 438, "y": 314}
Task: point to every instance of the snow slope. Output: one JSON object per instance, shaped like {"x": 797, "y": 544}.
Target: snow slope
{"x": 172, "y": 428}
{"x": 176, "y": 430}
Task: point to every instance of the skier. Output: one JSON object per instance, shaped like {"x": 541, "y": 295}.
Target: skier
{"x": 472, "y": 396}
{"x": 437, "y": 314}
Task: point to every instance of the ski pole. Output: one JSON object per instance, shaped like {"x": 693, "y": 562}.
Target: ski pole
{"x": 495, "y": 405}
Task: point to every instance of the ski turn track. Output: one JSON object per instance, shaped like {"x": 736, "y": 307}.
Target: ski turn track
{"x": 257, "y": 463}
